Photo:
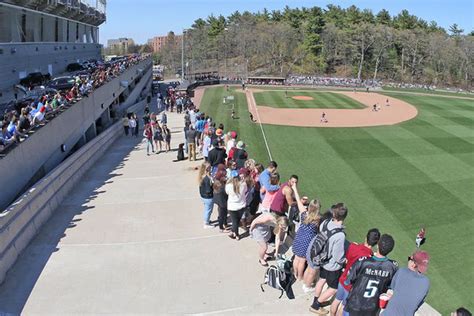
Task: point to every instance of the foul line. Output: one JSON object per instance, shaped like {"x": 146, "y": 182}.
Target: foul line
{"x": 254, "y": 104}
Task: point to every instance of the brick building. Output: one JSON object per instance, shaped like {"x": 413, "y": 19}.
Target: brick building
{"x": 158, "y": 42}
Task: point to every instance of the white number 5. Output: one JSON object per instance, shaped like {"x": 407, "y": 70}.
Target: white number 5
{"x": 371, "y": 288}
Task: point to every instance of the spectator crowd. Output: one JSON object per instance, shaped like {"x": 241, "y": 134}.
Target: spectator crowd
{"x": 32, "y": 112}
{"x": 331, "y": 81}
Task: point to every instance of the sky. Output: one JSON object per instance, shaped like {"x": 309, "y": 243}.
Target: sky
{"x": 144, "y": 19}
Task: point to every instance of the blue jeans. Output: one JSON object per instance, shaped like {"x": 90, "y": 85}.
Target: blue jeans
{"x": 208, "y": 205}
{"x": 149, "y": 143}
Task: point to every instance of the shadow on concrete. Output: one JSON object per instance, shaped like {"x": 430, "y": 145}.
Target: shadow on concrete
{"x": 21, "y": 279}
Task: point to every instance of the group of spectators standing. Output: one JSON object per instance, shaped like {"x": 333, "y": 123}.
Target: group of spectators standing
{"x": 403, "y": 85}
{"x": 174, "y": 100}
{"x": 17, "y": 123}
{"x": 265, "y": 81}
{"x": 359, "y": 277}
{"x": 155, "y": 134}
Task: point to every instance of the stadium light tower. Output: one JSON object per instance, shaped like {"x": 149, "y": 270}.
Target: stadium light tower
{"x": 182, "y": 54}
{"x": 225, "y": 53}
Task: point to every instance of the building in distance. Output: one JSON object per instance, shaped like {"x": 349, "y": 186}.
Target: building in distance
{"x": 158, "y": 42}
{"x": 119, "y": 46}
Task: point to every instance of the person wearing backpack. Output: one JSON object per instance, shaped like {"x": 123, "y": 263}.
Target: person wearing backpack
{"x": 332, "y": 258}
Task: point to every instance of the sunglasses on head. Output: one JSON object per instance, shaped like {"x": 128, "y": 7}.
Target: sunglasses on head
{"x": 410, "y": 259}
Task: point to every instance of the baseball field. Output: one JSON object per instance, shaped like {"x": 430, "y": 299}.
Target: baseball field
{"x": 397, "y": 178}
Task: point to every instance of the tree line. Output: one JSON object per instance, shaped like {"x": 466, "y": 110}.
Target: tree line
{"x": 332, "y": 41}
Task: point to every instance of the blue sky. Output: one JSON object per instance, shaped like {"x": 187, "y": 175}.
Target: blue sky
{"x": 143, "y": 19}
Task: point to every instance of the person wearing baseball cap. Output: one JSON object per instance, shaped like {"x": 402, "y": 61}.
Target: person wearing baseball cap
{"x": 231, "y": 142}
{"x": 240, "y": 155}
{"x": 410, "y": 286}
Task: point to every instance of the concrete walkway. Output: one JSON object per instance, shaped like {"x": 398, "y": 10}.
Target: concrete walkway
{"x": 130, "y": 240}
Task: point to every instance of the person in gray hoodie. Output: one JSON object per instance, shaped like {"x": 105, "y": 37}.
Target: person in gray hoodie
{"x": 331, "y": 270}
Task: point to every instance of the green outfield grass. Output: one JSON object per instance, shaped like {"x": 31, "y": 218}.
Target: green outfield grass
{"x": 396, "y": 178}
{"x": 436, "y": 92}
{"x": 323, "y": 100}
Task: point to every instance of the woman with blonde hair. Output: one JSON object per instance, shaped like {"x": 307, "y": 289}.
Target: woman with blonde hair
{"x": 207, "y": 192}
{"x": 236, "y": 190}
{"x": 309, "y": 218}
{"x": 261, "y": 231}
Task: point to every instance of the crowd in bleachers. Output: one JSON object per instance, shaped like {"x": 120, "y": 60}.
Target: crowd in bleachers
{"x": 265, "y": 81}
{"x": 331, "y": 81}
{"x": 30, "y": 113}
{"x": 402, "y": 85}
{"x": 206, "y": 77}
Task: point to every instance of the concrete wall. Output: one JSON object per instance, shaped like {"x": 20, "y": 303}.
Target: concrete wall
{"x": 19, "y": 59}
{"x": 41, "y": 152}
{"x": 24, "y": 218}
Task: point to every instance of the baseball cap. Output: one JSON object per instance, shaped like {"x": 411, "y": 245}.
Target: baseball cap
{"x": 421, "y": 259}
{"x": 240, "y": 144}
{"x": 233, "y": 134}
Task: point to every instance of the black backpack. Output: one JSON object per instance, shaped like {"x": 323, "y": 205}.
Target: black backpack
{"x": 318, "y": 249}
{"x": 275, "y": 278}
{"x": 280, "y": 277}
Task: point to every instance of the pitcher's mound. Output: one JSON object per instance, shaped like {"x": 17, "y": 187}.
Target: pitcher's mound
{"x": 302, "y": 98}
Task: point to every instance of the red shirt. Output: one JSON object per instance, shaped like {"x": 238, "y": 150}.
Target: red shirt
{"x": 354, "y": 252}
{"x": 232, "y": 152}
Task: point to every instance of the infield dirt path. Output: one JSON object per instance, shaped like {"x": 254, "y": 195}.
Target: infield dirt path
{"x": 398, "y": 111}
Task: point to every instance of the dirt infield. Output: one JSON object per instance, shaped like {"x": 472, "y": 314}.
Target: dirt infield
{"x": 302, "y": 98}
{"x": 398, "y": 111}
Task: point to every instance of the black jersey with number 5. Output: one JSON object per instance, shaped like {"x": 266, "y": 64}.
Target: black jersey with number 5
{"x": 369, "y": 277}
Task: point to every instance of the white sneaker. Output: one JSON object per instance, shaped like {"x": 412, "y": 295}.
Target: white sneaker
{"x": 307, "y": 289}
{"x": 207, "y": 226}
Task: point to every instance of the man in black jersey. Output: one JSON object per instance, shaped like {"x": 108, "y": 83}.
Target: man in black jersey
{"x": 370, "y": 277}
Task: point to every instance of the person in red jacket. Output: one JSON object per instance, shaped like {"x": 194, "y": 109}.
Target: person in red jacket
{"x": 354, "y": 253}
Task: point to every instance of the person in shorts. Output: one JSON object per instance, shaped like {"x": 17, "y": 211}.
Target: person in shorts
{"x": 331, "y": 270}
{"x": 353, "y": 253}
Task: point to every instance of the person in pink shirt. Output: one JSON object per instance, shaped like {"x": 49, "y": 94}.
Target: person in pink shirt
{"x": 270, "y": 195}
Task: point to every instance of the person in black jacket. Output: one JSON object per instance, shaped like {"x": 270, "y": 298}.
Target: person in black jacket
{"x": 220, "y": 199}
{"x": 206, "y": 192}
{"x": 217, "y": 155}
{"x": 240, "y": 155}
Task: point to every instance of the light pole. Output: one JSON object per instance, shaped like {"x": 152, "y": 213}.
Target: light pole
{"x": 225, "y": 54}
{"x": 182, "y": 55}
{"x": 247, "y": 69}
